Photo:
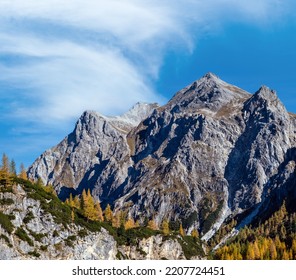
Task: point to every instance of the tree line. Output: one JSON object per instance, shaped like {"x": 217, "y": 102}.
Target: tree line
{"x": 8, "y": 171}
{"x": 275, "y": 239}
{"x": 91, "y": 209}
{"x": 88, "y": 206}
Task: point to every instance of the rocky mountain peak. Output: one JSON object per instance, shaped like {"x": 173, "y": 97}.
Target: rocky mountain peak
{"x": 92, "y": 120}
{"x": 209, "y": 92}
{"x": 210, "y": 152}
{"x": 265, "y": 92}
{"x": 267, "y": 102}
{"x": 211, "y": 75}
{"x": 89, "y": 117}
{"x": 210, "y": 78}
{"x": 136, "y": 114}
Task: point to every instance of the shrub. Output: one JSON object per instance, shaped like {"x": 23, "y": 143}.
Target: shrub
{"x": 43, "y": 247}
{"x": 82, "y": 233}
{"x": 4, "y": 237}
{"x": 23, "y": 236}
{"x": 37, "y": 236}
{"x": 49, "y": 202}
{"x": 34, "y": 254}
{"x": 5, "y": 189}
{"x": 69, "y": 240}
{"x": 6, "y": 223}
{"x": 6, "y": 201}
{"x": 190, "y": 247}
{"x": 28, "y": 217}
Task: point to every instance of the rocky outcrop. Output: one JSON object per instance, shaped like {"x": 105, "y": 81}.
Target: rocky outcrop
{"x": 36, "y": 234}
{"x": 212, "y": 151}
{"x": 28, "y": 231}
{"x": 154, "y": 248}
{"x": 94, "y": 156}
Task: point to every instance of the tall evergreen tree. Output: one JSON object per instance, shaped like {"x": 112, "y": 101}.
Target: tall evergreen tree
{"x": 98, "y": 211}
{"x": 12, "y": 168}
{"x": 4, "y": 171}
{"x": 117, "y": 219}
{"x": 89, "y": 209}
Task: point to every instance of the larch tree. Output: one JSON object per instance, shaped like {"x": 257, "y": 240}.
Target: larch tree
{"x": 181, "y": 230}
{"x": 256, "y": 250}
{"x": 250, "y": 252}
{"x": 4, "y": 171}
{"x": 23, "y": 173}
{"x": 130, "y": 223}
{"x": 272, "y": 249}
{"x": 194, "y": 233}
{"x": 108, "y": 213}
{"x": 77, "y": 202}
{"x": 72, "y": 215}
{"x": 89, "y": 209}
{"x": 71, "y": 201}
{"x": 152, "y": 225}
{"x": 165, "y": 227}
{"x": 98, "y": 211}
{"x": 85, "y": 204}
{"x": 116, "y": 220}
{"x": 5, "y": 163}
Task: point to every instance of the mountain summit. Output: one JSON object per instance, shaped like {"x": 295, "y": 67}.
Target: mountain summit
{"x": 209, "y": 92}
{"x": 213, "y": 152}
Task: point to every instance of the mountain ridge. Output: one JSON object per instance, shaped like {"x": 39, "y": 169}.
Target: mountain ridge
{"x": 210, "y": 153}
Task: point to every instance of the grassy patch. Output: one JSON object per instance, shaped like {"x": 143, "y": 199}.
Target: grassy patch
{"x": 130, "y": 236}
{"x": 29, "y": 216}
{"x": 58, "y": 247}
{"x": 90, "y": 225}
{"x": 49, "y": 202}
{"x": 34, "y": 254}
{"x": 82, "y": 233}
{"x": 21, "y": 234}
{"x": 191, "y": 247}
{"x": 69, "y": 241}
{"x": 43, "y": 247}
{"x": 6, "y": 223}
{"x": 5, "y": 189}
{"x": 120, "y": 256}
{"x": 6, "y": 201}
{"x": 6, "y": 239}
{"x": 37, "y": 236}
{"x": 212, "y": 218}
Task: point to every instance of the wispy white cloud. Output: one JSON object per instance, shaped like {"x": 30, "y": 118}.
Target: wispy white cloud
{"x": 103, "y": 55}
{"x": 66, "y": 79}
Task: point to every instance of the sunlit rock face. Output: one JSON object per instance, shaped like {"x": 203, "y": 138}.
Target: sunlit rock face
{"x": 212, "y": 151}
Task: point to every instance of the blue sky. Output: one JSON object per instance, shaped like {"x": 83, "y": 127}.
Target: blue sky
{"x": 59, "y": 58}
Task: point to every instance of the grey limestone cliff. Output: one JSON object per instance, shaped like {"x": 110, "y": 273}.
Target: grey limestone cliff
{"x": 29, "y": 231}
{"x": 213, "y": 151}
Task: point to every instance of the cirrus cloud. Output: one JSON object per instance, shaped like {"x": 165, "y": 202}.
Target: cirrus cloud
{"x": 68, "y": 56}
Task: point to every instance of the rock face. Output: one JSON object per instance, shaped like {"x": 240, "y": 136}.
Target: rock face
{"x": 212, "y": 151}
{"x": 36, "y": 234}
{"x": 44, "y": 237}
